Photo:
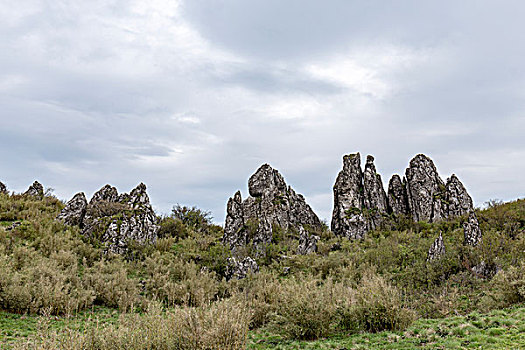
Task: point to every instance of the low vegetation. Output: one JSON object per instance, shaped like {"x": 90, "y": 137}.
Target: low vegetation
{"x": 58, "y": 290}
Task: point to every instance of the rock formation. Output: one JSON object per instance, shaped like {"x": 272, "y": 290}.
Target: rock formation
{"x": 74, "y": 211}
{"x": 359, "y": 198}
{"x": 484, "y": 270}
{"x": 437, "y": 249}
{"x": 471, "y": 230}
{"x": 397, "y": 196}
{"x": 425, "y": 190}
{"x": 457, "y": 199}
{"x": 307, "y": 242}
{"x": 35, "y": 190}
{"x": 271, "y": 203}
{"x": 374, "y": 198}
{"x": 360, "y": 203}
{"x": 347, "y": 217}
{"x": 240, "y": 269}
{"x": 112, "y": 218}
{"x": 3, "y": 187}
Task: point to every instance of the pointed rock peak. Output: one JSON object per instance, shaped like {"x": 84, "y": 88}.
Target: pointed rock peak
{"x": 265, "y": 180}
{"x": 107, "y": 193}
{"x": 35, "y": 190}
{"x": 79, "y": 197}
{"x": 458, "y": 200}
{"x": 3, "y": 187}
{"x": 237, "y": 197}
{"x": 421, "y": 159}
{"x": 75, "y": 210}
{"x": 138, "y": 195}
{"x": 369, "y": 166}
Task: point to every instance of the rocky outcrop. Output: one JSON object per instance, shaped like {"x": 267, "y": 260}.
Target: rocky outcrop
{"x": 458, "y": 201}
{"x": 374, "y": 198}
{"x": 425, "y": 190}
{"x": 471, "y": 230}
{"x": 397, "y": 196}
{"x": 271, "y": 203}
{"x": 359, "y": 198}
{"x": 484, "y": 270}
{"x": 240, "y": 269}
{"x": 361, "y": 205}
{"x": 347, "y": 217}
{"x": 35, "y": 190}
{"x": 112, "y": 218}
{"x": 107, "y": 193}
{"x": 3, "y": 187}
{"x": 307, "y": 242}
{"x": 74, "y": 211}
{"x": 437, "y": 249}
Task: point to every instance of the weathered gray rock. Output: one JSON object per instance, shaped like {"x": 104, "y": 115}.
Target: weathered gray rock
{"x": 437, "y": 249}
{"x": 271, "y": 203}
{"x": 361, "y": 205}
{"x": 457, "y": 199}
{"x": 425, "y": 190}
{"x": 486, "y": 271}
{"x": 397, "y": 196}
{"x": 471, "y": 230}
{"x": 374, "y": 198}
{"x": 74, "y": 211}
{"x": 307, "y": 242}
{"x": 360, "y": 202}
{"x": 114, "y": 219}
{"x": 35, "y": 190}
{"x": 107, "y": 193}
{"x": 3, "y": 187}
{"x": 240, "y": 269}
{"x": 347, "y": 217}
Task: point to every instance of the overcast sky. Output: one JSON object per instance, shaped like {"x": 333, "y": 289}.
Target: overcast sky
{"x": 191, "y": 97}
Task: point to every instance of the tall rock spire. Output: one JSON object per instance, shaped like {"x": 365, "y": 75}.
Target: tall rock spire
{"x": 347, "y": 218}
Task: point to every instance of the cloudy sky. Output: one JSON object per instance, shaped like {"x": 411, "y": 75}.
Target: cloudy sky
{"x": 192, "y": 96}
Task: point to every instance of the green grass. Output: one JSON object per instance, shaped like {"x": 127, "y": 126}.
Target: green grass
{"x": 500, "y": 329}
{"x": 17, "y": 328}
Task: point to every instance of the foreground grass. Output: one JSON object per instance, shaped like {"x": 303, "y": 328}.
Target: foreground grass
{"x": 499, "y": 329}
{"x": 17, "y": 328}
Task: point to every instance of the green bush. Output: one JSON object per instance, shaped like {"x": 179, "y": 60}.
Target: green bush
{"x": 506, "y": 288}
{"x": 378, "y": 307}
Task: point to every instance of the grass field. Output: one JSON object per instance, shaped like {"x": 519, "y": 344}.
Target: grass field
{"x": 500, "y": 329}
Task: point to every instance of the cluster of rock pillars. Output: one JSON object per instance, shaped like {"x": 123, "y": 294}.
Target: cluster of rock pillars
{"x": 361, "y": 204}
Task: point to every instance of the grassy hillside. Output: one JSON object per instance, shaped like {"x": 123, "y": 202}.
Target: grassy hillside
{"x": 380, "y": 288}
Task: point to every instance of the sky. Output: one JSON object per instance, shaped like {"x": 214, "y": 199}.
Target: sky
{"x": 191, "y": 97}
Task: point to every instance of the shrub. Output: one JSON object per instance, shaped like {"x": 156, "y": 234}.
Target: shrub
{"x": 506, "y": 288}
{"x": 378, "y": 307}
{"x": 305, "y": 309}
{"x": 221, "y": 326}
{"x": 32, "y": 283}
{"x": 109, "y": 279}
